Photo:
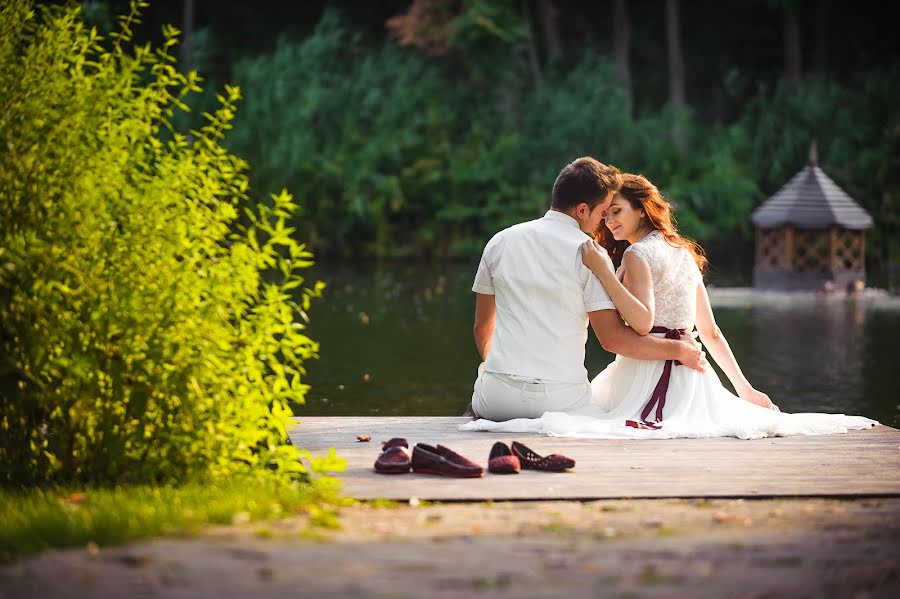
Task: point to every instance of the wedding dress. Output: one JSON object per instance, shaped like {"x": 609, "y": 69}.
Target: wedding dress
{"x": 627, "y": 402}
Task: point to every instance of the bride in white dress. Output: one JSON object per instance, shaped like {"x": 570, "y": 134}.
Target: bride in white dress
{"x": 658, "y": 289}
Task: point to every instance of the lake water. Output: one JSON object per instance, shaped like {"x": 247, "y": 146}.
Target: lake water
{"x": 396, "y": 340}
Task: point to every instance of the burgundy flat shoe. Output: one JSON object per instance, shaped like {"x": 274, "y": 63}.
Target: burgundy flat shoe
{"x": 443, "y": 461}
{"x": 502, "y": 461}
{"x": 532, "y": 461}
{"x": 394, "y": 458}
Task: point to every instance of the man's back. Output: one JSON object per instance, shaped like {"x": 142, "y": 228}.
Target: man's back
{"x": 543, "y": 293}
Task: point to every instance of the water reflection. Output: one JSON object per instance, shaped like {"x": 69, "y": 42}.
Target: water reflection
{"x": 811, "y": 356}
{"x": 397, "y": 340}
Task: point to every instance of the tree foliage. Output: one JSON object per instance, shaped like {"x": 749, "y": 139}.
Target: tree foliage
{"x": 398, "y": 152}
{"x": 145, "y": 333}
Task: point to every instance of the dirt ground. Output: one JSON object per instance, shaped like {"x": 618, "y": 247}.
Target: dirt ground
{"x": 622, "y": 548}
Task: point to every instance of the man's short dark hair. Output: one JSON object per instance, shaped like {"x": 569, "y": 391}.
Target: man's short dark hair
{"x": 584, "y": 180}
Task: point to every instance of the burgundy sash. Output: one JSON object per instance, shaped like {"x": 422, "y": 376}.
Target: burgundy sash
{"x": 658, "y": 397}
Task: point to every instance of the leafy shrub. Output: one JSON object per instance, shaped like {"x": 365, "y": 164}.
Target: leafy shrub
{"x": 145, "y": 333}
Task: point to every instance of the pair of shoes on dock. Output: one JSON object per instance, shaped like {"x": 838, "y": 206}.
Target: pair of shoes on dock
{"x": 396, "y": 458}
{"x": 511, "y": 459}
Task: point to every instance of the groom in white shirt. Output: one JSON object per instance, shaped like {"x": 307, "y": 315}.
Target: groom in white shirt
{"x": 535, "y": 298}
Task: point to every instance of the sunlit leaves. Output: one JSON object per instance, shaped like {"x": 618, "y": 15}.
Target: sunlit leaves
{"x": 146, "y": 333}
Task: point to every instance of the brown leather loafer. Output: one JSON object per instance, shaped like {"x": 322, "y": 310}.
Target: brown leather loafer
{"x": 395, "y": 458}
{"x": 443, "y": 461}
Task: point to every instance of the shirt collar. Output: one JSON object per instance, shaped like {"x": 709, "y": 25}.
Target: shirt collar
{"x": 563, "y": 218}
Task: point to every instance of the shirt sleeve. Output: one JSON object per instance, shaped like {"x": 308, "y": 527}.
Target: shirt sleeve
{"x": 484, "y": 280}
{"x": 595, "y": 296}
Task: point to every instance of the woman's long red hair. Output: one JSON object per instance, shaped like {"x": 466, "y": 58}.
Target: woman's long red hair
{"x": 643, "y": 195}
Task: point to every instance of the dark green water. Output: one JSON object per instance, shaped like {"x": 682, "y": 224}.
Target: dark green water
{"x": 397, "y": 340}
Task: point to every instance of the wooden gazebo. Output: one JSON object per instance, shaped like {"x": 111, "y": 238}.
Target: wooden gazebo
{"x": 810, "y": 235}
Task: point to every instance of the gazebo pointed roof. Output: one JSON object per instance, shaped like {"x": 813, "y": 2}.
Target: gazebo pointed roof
{"x": 811, "y": 200}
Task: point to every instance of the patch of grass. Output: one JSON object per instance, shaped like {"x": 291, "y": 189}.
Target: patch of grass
{"x": 607, "y": 532}
{"x": 382, "y": 504}
{"x": 36, "y": 519}
{"x": 666, "y": 531}
{"x": 556, "y": 528}
{"x": 651, "y": 575}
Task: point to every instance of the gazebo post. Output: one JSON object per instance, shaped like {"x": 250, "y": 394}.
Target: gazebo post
{"x": 832, "y": 249}
{"x": 789, "y": 249}
{"x": 862, "y": 251}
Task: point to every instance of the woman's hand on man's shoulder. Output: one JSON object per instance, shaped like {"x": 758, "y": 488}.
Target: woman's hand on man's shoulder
{"x": 595, "y": 257}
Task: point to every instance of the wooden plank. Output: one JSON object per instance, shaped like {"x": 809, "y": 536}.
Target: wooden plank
{"x": 858, "y": 463}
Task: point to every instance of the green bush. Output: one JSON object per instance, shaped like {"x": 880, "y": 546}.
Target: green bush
{"x": 146, "y": 334}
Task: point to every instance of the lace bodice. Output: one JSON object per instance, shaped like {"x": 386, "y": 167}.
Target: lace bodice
{"x": 675, "y": 278}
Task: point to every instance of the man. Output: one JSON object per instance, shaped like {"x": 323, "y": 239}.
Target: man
{"x": 534, "y": 299}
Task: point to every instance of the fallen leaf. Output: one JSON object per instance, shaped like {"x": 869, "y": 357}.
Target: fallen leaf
{"x": 363, "y": 438}
{"x": 73, "y": 499}
{"x": 722, "y": 518}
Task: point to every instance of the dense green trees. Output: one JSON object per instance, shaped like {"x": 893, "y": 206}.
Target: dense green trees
{"x": 460, "y": 130}
{"x": 393, "y": 155}
{"x": 145, "y": 335}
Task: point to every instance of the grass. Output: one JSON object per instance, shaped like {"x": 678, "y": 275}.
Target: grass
{"x": 33, "y": 520}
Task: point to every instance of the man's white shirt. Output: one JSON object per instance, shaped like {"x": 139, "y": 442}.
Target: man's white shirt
{"x": 543, "y": 294}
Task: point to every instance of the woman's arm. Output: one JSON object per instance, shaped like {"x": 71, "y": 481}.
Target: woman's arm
{"x": 715, "y": 342}
{"x": 635, "y": 303}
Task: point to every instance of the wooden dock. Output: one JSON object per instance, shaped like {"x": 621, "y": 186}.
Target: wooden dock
{"x": 855, "y": 464}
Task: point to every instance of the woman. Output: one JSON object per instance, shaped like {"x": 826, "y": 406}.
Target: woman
{"x": 658, "y": 289}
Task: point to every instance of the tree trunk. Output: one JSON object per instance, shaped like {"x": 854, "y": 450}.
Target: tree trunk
{"x": 677, "y": 95}
{"x": 821, "y": 54}
{"x": 533, "y": 64}
{"x": 621, "y": 47}
{"x": 187, "y": 58}
{"x": 547, "y": 16}
{"x": 792, "y": 56}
